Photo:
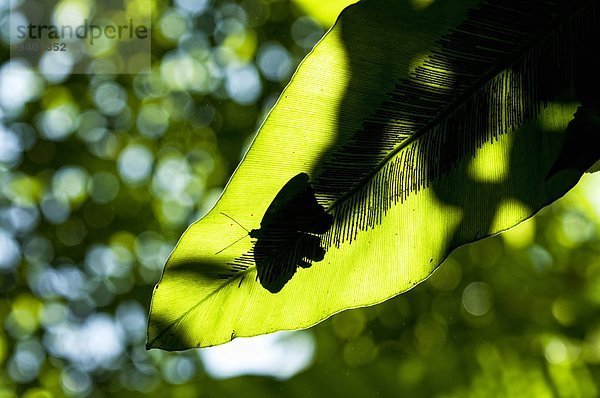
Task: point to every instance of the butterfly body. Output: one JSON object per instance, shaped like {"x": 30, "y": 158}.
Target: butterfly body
{"x": 290, "y": 233}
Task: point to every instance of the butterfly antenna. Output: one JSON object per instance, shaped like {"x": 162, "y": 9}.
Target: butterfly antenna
{"x": 222, "y": 250}
{"x": 232, "y": 219}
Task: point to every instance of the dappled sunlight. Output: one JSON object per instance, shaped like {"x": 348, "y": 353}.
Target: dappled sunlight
{"x": 509, "y": 209}
{"x": 491, "y": 163}
{"x": 553, "y": 116}
{"x": 522, "y": 235}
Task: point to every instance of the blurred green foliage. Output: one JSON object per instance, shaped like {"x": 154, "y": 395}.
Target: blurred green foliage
{"x": 100, "y": 174}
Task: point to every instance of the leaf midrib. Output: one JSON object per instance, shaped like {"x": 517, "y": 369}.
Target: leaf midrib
{"x": 461, "y": 99}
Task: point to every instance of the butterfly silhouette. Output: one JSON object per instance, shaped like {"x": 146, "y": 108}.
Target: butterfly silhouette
{"x": 290, "y": 233}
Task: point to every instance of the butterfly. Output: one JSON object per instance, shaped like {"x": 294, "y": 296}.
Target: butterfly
{"x": 290, "y": 233}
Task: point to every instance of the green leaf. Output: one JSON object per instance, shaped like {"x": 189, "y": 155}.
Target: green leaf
{"x": 407, "y": 132}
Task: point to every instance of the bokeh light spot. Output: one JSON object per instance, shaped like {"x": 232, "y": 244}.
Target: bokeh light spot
{"x": 10, "y": 253}
{"x": 70, "y": 184}
{"x": 110, "y": 98}
{"x": 281, "y": 355}
{"x": 173, "y": 24}
{"x": 18, "y": 85}
{"x": 135, "y": 164}
{"x": 477, "y": 298}
{"x": 275, "y": 62}
{"x": 152, "y": 121}
{"x": 243, "y": 84}
{"x": 58, "y": 123}
{"x": 179, "y": 370}
{"x": 192, "y": 6}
